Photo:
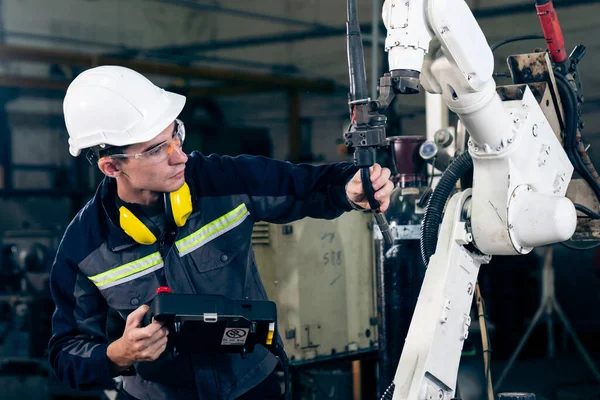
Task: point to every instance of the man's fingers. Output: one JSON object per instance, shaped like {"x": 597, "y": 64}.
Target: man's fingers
{"x": 159, "y": 335}
{"x": 375, "y": 172}
{"x": 148, "y": 342}
{"x": 384, "y": 178}
{"x": 153, "y": 351}
{"x": 134, "y": 319}
{"x": 379, "y": 178}
{"x": 386, "y": 173}
{"x": 383, "y": 196}
{"x": 147, "y": 332}
{"x": 162, "y": 342}
{"x": 157, "y": 348}
{"x": 385, "y": 191}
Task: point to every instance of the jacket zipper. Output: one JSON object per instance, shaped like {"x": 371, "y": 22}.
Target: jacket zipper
{"x": 161, "y": 247}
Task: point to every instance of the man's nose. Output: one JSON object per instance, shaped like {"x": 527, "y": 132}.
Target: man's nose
{"x": 177, "y": 156}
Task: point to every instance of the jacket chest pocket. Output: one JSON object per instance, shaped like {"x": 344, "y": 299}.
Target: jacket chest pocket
{"x": 213, "y": 256}
{"x": 215, "y": 244}
{"x": 126, "y": 287}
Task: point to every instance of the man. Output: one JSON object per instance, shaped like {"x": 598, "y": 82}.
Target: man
{"x": 165, "y": 218}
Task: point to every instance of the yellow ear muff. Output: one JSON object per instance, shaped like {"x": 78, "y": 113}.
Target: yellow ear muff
{"x": 181, "y": 204}
{"x": 134, "y": 227}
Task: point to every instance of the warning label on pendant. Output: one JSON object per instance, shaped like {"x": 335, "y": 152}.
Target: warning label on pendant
{"x": 234, "y": 336}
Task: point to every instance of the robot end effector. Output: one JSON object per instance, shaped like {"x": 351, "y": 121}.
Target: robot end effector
{"x": 406, "y": 47}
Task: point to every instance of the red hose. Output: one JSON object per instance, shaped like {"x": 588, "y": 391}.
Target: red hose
{"x": 552, "y": 31}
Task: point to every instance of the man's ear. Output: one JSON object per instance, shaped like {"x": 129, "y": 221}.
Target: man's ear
{"x": 110, "y": 167}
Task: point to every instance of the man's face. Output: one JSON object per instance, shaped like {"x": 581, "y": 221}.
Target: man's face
{"x": 160, "y": 166}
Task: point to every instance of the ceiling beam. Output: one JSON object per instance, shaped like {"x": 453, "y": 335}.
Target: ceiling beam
{"x": 328, "y": 31}
{"x": 20, "y": 82}
{"x": 41, "y": 84}
{"x": 13, "y": 53}
{"x": 256, "y": 40}
{"x": 127, "y": 52}
{"x": 242, "y": 13}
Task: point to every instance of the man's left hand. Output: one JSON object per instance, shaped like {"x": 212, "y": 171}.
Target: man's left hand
{"x": 380, "y": 179}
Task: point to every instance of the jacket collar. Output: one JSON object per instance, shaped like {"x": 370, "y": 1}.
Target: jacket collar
{"x": 117, "y": 239}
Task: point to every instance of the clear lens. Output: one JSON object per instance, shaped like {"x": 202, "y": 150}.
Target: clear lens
{"x": 163, "y": 150}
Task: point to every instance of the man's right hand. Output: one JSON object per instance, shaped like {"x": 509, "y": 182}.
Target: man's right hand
{"x": 138, "y": 344}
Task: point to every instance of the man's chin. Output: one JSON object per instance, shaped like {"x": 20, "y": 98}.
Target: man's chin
{"x": 174, "y": 185}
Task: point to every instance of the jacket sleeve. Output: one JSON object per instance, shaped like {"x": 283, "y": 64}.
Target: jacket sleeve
{"x": 282, "y": 192}
{"x": 77, "y": 348}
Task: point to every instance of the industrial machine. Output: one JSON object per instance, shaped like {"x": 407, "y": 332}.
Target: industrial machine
{"x": 26, "y": 312}
{"x": 326, "y": 300}
{"x": 525, "y": 143}
{"x": 326, "y": 296}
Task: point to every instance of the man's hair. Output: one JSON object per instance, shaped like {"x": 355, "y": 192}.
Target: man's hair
{"x": 111, "y": 151}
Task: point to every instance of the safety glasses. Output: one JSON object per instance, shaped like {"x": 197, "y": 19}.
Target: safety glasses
{"x": 161, "y": 151}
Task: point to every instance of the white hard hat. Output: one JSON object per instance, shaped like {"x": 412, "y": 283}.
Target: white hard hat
{"x": 116, "y": 106}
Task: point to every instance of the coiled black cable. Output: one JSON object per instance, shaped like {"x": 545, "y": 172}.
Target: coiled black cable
{"x": 435, "y": 206}
{"x": 389, "y": 392}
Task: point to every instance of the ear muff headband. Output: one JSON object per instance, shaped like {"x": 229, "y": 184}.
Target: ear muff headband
{"x": 178, "y": 207}
{"x": 139, "y": 227}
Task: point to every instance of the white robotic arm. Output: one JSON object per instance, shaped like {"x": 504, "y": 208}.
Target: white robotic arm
{"x": 521, "y": 174}
{"x": 507, "y": 153}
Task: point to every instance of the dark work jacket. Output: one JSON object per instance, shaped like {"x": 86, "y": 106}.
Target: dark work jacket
{"x": 98, "y": 269}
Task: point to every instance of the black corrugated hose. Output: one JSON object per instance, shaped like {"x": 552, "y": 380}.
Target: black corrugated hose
{"x": 435, "y": 206}
{"x": 389, "y": 393}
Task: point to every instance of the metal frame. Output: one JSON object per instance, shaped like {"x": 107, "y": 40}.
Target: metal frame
{"x": 548, "y": 306}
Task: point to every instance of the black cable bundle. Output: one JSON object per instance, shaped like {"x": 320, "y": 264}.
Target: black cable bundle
{"x": 569, "y": 101}
{"x": 437, "y": 201}
{"x": 389, "y": 392}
